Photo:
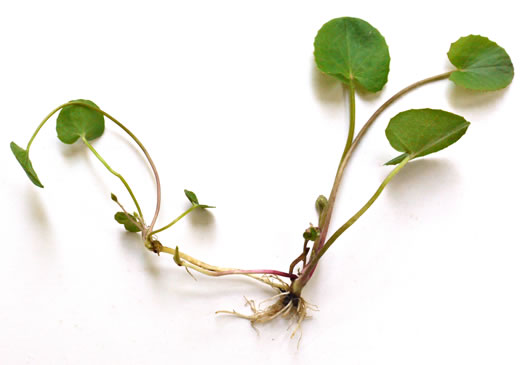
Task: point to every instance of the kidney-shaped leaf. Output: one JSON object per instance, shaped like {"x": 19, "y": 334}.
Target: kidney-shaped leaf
{"x": 22, "y": 157}
{"x": 351, "y": 49}
{"x": 419, "y": 132}
{"x": 75, "y": 121}
{"x": 481, "y": 63}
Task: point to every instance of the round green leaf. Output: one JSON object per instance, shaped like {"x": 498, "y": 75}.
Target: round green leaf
{"x": 419, "y": 132}
{"x": 351, "y": 49}
{"x": 22, "y": 157}
{"x": 75, "y": 121}
{"x": 481, "y": 63}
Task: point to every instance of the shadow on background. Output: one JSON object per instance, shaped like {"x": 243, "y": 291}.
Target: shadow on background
{"x": 462, "y": 98}
{"x": 425, "y": 178}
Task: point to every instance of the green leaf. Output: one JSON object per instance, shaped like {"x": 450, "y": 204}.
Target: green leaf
{"x": 191, "y": 197}
{"x": 419, "y": 132}
{"x": 194, "y": 201}
{"x": 75, "y": 121}
{"x": 22, "y": 157}
{"x": 130, "y": 223}
{"x": 351, "y": 49}
{"x": 481, "y": 63}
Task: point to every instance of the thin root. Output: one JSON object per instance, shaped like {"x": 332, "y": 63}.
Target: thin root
{"x": 286, "y": 306}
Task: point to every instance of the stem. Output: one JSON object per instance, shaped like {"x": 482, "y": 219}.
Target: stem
{"x": 174, "y": 221}
{"x": 313, "y": 262}
{"x": 210, "y": 270}
{"x": 324, "y": 222}
{"x": 114, "y": 173}
{"x": 137, "y": 141}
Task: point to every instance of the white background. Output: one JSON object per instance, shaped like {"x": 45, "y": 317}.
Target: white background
{"x": 226, "y": 97}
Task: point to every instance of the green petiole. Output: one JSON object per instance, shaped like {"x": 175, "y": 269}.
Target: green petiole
{"x": 175, "y": 220}
{"x": 128, "y": 188}
{"x": 44, "y": 122}
{"x": 351, "y": 130}
{"x": 317, "y": 256}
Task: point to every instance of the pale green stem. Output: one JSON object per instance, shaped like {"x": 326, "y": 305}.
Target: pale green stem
{"x": 114, "y": 173}
{"x": 175, "y": 220}
{"x": 316, "y": 256}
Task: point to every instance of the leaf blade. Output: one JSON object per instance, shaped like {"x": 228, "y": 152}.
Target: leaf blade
{"x": 191, "y": 197}
{"x": 420, "y": 132}
{"x": 481, "y": 64}
{"x": 351, "y": 49}
{"x": 22, "y": 156}
{"x": 75, "y": 121}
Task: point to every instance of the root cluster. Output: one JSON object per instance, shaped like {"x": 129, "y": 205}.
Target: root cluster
{"x": 285, "y": 304}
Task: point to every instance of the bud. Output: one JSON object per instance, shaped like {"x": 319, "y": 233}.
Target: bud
{"x": 320, "y": 204}
{"x": 311, "y": 233}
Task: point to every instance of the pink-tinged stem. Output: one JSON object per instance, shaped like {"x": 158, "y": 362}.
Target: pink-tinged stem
{"x": 263, "y": 272}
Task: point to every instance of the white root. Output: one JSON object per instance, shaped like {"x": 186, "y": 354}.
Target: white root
{"x": 295, "y": 309}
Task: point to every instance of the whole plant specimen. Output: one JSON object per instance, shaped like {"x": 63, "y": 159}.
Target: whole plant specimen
{"x": 355, "y": 53}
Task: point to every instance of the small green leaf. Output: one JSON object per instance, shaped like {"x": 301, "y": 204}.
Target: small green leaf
{"x": 22, "y": 157}
{"x": 191, "y": 197}
{"x": 130, "y": 223}
{"x": 114, "y": 198}
{"x": 419, "y": 132}
{"x": 194, "y": 201}
{"x": 351, "y": 49}
{"x": 75, "y": 121}
{"x": 482, "y": 64}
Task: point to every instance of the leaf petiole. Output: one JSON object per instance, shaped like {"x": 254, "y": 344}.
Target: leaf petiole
{"x": 327, "y": 213}
{"x": 44, "y": 122}
{"x": 351, "y": 130}
{"x": 128, "y": 188}
{"x": 175, "y": 220}
{"x": 301, "y": 281}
